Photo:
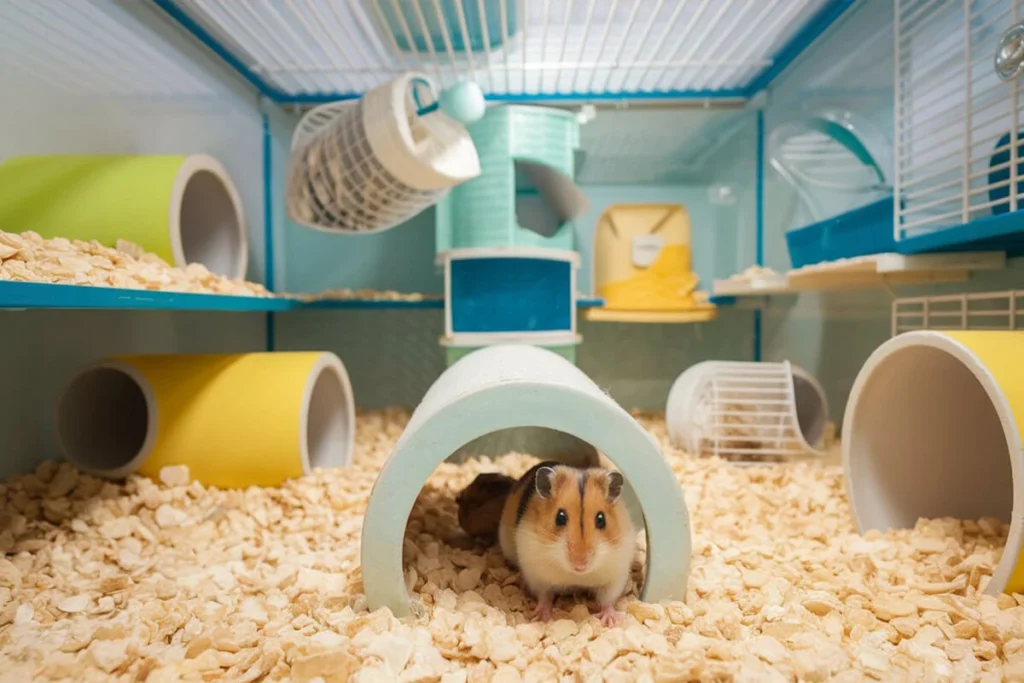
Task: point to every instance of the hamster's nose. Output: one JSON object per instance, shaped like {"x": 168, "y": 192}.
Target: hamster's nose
{"x": 579, "y": 563}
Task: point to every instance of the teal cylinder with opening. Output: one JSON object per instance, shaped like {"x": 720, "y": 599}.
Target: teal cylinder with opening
{"x": 525, "y": 195}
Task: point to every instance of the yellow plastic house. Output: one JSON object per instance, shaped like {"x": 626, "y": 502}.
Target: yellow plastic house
{"x": 643, "y": 266}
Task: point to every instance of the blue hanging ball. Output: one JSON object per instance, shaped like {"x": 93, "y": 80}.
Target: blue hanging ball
{"x": 463, "y": 102}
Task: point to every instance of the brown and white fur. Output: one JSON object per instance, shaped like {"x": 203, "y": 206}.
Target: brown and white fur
{"x": 550, "y": 529}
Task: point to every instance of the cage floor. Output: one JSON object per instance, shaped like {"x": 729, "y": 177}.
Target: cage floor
{"x": 150, "y": 582}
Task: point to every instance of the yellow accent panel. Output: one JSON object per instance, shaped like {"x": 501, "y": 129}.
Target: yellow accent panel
{"x": 666, "y": 285}
{"x": 1002, "y": 354}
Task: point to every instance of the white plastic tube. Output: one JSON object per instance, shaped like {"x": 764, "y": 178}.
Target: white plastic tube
{"x": 933, "y": 429}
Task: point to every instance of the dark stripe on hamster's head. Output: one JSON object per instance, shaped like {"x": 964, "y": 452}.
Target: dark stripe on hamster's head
{"x": 529, "y": 488}
{"x": 583, "y": 488}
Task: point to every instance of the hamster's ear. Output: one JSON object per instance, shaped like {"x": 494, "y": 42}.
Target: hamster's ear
{"x": 545, "y": 478}
{"x": 615, "y": 481}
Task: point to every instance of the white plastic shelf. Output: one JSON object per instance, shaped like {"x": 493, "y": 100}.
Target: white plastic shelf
{"x": 312, "y": 50}
{"x": 878, "y": 270}
{"x": 968, "y": 311}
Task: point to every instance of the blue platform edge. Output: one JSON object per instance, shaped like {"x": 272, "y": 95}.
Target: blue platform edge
{"x": 511, "y": 295}
{"x": 865, "y": 230}
{"x": 869, "y": 230}
{"x": 1003, "y": 232}
{"x": 37, "y": 295}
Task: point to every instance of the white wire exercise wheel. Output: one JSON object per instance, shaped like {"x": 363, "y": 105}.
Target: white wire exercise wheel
{"x": 366, "y": 165}
{"x": 747, "y": 411}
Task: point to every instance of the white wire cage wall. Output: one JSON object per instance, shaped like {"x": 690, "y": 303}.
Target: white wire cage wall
{"x": 1003, "y": 310}
{"x": 315, "y": 50}
{"x": 956, "y": 119}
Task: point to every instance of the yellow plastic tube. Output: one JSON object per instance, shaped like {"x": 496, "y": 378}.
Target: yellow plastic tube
{"x": 933, "y": 429}
{"x": 243, "y": 420}
{"x": 184, "y": 209}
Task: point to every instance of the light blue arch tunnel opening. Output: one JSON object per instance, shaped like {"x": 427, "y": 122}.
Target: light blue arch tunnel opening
{"x": 652, "y": 492}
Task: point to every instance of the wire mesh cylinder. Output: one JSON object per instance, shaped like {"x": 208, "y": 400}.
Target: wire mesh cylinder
{"x": 745, "y": 411}
{"x": 368, "y": 165}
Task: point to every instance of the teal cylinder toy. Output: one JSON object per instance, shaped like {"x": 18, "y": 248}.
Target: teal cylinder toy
{"x": 525, "y": 195}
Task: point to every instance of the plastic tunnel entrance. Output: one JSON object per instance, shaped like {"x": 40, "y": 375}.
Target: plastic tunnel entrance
{"x": 933, "y": 429}
{"x": 499, "y": 388}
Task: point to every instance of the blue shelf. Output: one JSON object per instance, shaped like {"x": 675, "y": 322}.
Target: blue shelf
{"x": 1002, "y": 232}
{"x": 859, "y": 232}
{"x": 24, "y": 295}
{"x": 869, "y": 230}
{"x": 330, "y": 304}
{"x": 41, "y": 295}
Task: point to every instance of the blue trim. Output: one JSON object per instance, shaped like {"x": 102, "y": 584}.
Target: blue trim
{"x": 819, "y": 23}
{"x": 759, "y": 192}
{"x": 722, "y": 300}
{"x": 207, "y": 39}
{"x": 1003, "y": 232}
{"x": 42, "y": 295}
{"x": 862, "y": 231}
{"x": 268, "y": 222}
{"x": 868, "y": 230}
{"x": 324, "y": 97}
{"x": 759, "y": 222}
{"x": 757, "y": 335}
{"x": 368, "y": 303}
{"x": 426, "y": 303}
{"x": 39, "y": 295}
{"x": 268, "y": 204}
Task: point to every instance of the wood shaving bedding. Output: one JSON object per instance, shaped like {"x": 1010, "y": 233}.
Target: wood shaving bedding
{"x": 170, "y": 581}
{"x": 30, "y": 258}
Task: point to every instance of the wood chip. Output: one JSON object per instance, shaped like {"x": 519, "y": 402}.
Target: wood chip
{"x": 75, "y": 604}
{"x": 888, "y": 608}
{"x": 172, "y": 581}
{"x": 175, "y": 475}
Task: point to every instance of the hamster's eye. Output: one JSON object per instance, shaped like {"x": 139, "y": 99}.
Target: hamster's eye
{"x": 561, "y": 519}
{"x": 600, "y": 520}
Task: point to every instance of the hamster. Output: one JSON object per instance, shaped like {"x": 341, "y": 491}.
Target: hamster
{"x": 481, "y": 504}
{"x": 568, "y": 528}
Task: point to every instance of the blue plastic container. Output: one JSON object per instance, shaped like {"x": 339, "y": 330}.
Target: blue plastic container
{"x": 863, "y": 231}
{"x": 500, "y": 295}
{"x": 451, "y": 21}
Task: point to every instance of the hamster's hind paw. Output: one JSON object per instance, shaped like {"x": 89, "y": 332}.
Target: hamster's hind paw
{"x": 544, "y": 609}
{"x": 609, "y": 617}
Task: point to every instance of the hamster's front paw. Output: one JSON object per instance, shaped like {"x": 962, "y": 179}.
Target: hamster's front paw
{"x": 609, "y": 617}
